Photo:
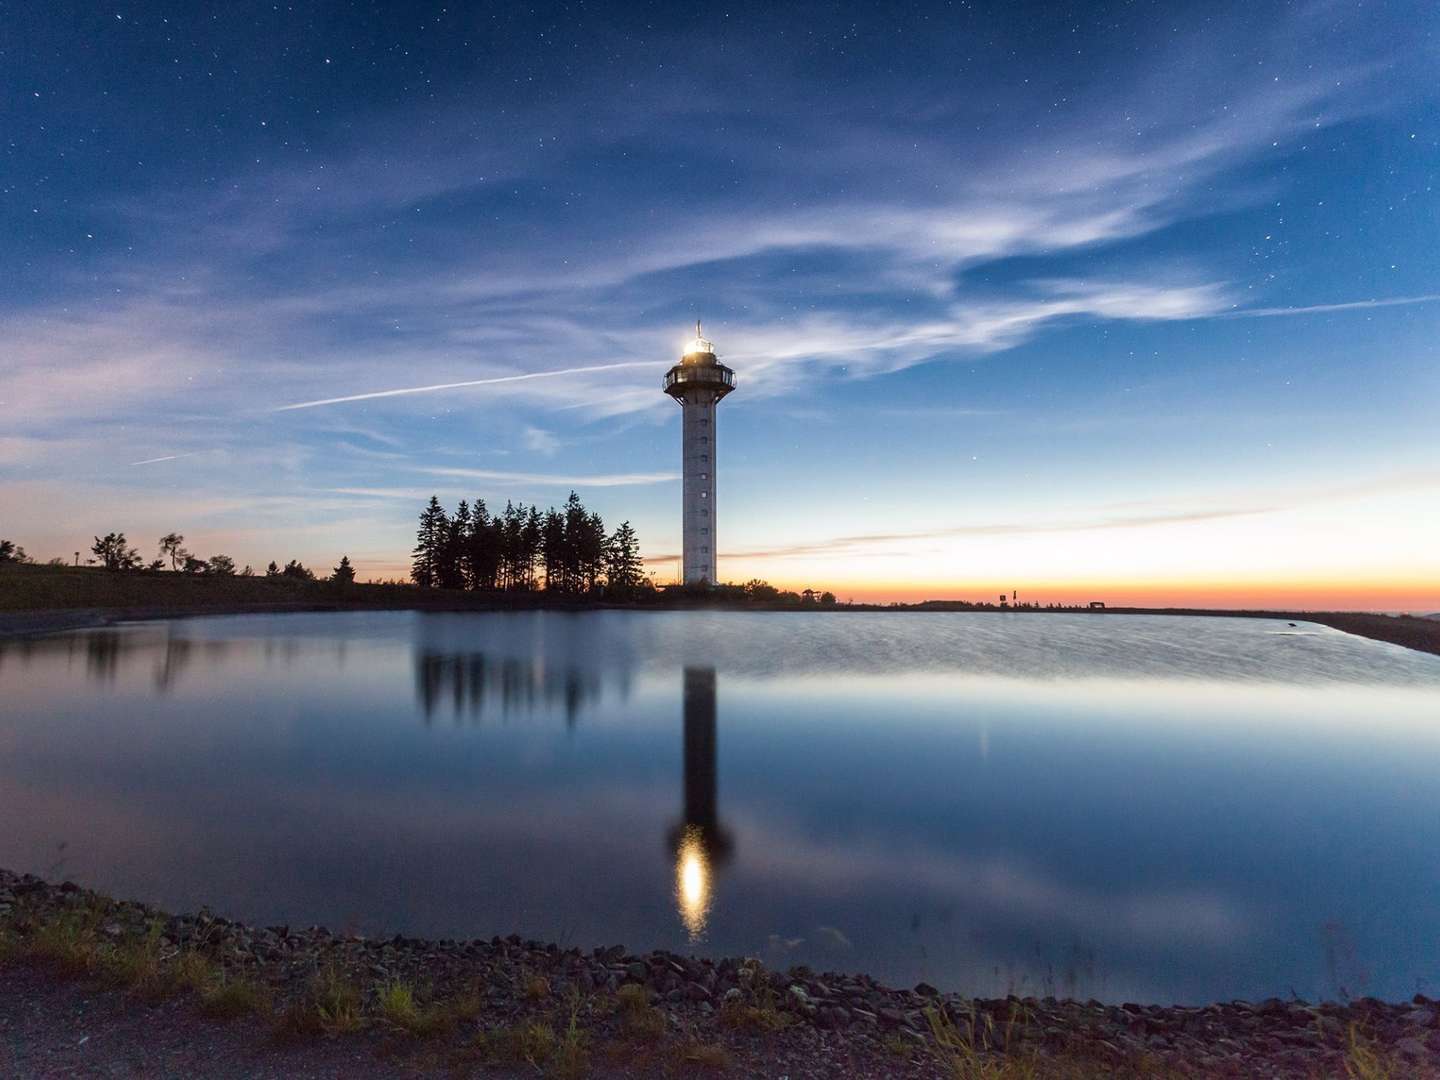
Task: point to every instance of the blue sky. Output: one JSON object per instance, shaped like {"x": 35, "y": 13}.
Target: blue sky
{"x": 1060, "y": 299}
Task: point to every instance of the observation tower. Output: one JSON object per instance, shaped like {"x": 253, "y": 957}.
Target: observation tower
{"x": 697, "y": 383}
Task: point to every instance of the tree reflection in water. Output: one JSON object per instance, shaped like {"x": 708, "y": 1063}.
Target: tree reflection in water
{"x": 469, "y": 682}
{"x": 111, "y": 652}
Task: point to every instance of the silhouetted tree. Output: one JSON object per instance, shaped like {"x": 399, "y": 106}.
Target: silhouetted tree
{"x": 222, "y": 566}
{"x": 170, "y": 547}
{"x": 272, "y": 570}
{"x": 827, "y": 598}
{"x": 429, "y": 542}
{"x": 474, "y": 550}
{"x": 295, "y": 569}
{"x": 344, "y": 574}
{"x": 623, "y": 569}
{"x": 11, "y": 552}
{"x": 482, "y": 552}
{"x": 763, "y": 591}
{"x": 193, "y": 565}
{"x": 552, "y": 549}
{"x": 114, "y": 553}
{"x": 454, "y": 567}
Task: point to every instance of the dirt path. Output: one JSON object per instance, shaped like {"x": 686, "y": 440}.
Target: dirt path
{"x": 53, "y": 1028}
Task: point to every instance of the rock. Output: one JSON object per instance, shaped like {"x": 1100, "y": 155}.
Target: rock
{"x": 924, "y": 989}
{"x": 695, "y": 992}
{"x": 1420, "y": 1018}
{"x": 890, "y": 1017}
{"x": 637, "y": 971}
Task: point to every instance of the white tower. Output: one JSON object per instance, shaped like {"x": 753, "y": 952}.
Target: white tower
{"x": 697, "y": 383}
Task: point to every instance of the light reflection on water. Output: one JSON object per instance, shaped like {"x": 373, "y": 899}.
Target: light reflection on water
{"x": 1120, "y": 807}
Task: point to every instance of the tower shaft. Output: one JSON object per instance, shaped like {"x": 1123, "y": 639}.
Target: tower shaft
{"x": 698, "y": 484}
{"x": 697, "y": 383}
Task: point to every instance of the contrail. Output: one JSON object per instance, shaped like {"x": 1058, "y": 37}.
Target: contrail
{"x": 167, "y": 457}
{"x": 458, "y": 385}
{"x": 1316, "y": 309}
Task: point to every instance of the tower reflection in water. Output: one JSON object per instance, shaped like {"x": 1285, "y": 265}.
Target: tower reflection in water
{"x": 699, "y": 843}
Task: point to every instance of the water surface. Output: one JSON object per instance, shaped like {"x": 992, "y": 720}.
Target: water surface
{"x": 1122, "y": 807}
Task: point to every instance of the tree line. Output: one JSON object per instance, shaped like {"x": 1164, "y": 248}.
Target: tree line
{"x": 520, "y": 548}
{"x": 114, "y": 552}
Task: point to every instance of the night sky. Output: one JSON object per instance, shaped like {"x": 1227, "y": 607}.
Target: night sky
{"x": 1135, "y": 301}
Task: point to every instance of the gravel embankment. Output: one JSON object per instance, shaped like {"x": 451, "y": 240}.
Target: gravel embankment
{"x": 678, "y": 1016}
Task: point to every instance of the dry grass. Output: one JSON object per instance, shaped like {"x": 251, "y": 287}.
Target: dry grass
{"x": 230, "y": 997}
{"x": 704, "y": 1055}
{"x": 331, "y": 1005}
{"x": 68, "y": 942}
{"x": 399, "y": 1008}
{"x": 535, "y": 987}
{"x": 520, "y": 1044}
{"x": 639, "y": 1019}
{"x": 1364, "y": 1060}
{"x": 973, "y": 1051}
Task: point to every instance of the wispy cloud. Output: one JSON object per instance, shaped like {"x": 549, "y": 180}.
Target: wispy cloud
{"x": 594, "y": 480}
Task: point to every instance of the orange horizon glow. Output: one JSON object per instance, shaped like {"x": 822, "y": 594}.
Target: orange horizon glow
{"x": 1419, "y": 597}
{"x": 1378, "y": 595}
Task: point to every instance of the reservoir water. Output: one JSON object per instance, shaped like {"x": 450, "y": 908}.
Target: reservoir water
{"x": 1139, "y": 808}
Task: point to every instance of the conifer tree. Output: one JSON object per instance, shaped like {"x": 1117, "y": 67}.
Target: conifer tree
{"x": 429, "y": 539}
{"x": 624, "y": 570}
{"x": 344, "y": 574}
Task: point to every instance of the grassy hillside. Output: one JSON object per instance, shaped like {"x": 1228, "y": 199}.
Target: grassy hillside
{"x": 45, "y": 588}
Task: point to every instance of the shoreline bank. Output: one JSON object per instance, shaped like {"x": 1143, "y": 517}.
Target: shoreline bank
{"x": 490, "y": 1004}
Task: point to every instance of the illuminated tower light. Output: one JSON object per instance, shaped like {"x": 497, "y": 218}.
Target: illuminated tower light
{"x": 697, "y": 383}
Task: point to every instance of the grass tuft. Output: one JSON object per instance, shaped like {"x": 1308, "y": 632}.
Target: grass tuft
{"x": 520, "y": 1044}
{"x": 228, "y": 998}
{"x": 1364, "y": 1060}
{"x": 535, "y": 987}
{"x": 68, "y": 942}
{"x": 763, "y": 1016}
{"x": 639, "y": 1019}
{"x": 711, "y": 1055}
{"x": 398, "y": 1007}
{"x": 331, "y": 1005}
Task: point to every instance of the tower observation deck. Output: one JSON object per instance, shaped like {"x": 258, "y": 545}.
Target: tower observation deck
{"x": 697, "y": 383}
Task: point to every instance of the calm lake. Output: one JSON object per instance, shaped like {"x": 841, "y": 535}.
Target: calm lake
{"x": 1122, "y": 807}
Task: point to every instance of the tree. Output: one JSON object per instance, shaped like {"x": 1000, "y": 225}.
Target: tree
{"x": 222, "y": 566}
{"x": 272, "y": 570}
{"x": 114, "y": 553}
{"x": 425, "y": 564}
{"x": 295, "y": 569}
{"x": 624, "y": 570}
{"x": 344, "y": 574}
{"x": 170, "y": 547}
{"x": 192, "y": 565}
{"x": 12, "y": 552}
{"x": 763, "y": 591}
{"x": 827, "y": 598}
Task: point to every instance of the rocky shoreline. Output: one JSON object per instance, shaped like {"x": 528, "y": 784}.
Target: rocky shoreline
{"x": 510, "y": 1003}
